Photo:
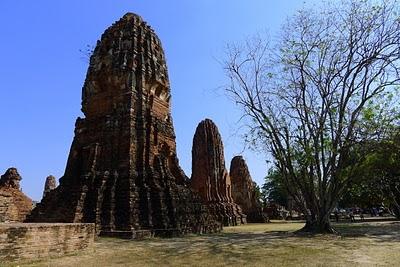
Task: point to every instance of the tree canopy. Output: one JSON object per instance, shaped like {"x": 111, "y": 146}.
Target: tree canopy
{"x": 328, "y": 83}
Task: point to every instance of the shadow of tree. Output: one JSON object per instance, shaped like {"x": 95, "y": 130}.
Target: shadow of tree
{"x": 381, "y": 232}
{"x": 371, "y": 243}
{"x": 238, "y": 248}
{"x": 231, "y": 247}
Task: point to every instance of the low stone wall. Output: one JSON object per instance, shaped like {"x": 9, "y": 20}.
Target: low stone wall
{"x": 19, "y": 241}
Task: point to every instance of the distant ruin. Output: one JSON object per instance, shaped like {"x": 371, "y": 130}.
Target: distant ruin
{"x": 209, "y": 175}
{"x": 49, "y": 185}
{"x": 244, "y": 191}
{"x": 122, "y": 171}
{"x": 14, "y": 205}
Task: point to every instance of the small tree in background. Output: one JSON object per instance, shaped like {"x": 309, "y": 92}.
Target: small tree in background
{"x": 377, "y": 178}
{"x": 327, "y": 84}
{"x": 274, "y": 189}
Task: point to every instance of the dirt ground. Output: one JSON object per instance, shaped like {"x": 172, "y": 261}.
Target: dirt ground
{"x": 273, "y": 244}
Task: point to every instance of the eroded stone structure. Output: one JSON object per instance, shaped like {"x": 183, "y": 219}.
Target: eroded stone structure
{"x": 14, "y": 204}
{"x": 209, "y": 175}
{"x": 244, "y": 191}
{"x": 49, "y": 185}
{"x": 123, "y": 171}
{"x": 11, "y": 179}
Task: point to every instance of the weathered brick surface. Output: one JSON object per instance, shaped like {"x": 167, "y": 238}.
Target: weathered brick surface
{"x": 209, "y": 176}
{"x": 122, "y": 171}
{"x": 19, "y": 241}
{"x": 244, "y": 191}
{"x": 14, "y": 204}
{"x": 49, "y": 185}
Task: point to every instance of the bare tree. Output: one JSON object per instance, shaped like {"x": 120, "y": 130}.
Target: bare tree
{"x": 313, "y": 94}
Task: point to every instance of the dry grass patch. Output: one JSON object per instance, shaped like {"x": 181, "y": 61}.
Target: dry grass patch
{"x": 271, "y": 244}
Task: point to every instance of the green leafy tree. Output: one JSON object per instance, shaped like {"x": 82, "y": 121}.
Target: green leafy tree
{"x": 377, "y": 178}
{"x": 274, "y": 189}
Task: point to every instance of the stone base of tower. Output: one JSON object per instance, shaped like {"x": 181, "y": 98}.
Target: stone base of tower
{"x": 229, "y": 214}
{"x": 173, "y": 232}
{"x": 172, "y": 210}
{"x": 139, "y": 234}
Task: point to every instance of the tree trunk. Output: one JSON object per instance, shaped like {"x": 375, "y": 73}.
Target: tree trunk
{"x": 396, "y": 211}
{"x": 318, "y": 225}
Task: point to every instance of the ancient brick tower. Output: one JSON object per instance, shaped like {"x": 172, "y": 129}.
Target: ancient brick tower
{"x": 244, "y": 191}
{"x": 209, "y": 175}
{"x": 122, "y": 171}
{"x": 49, "y": 185}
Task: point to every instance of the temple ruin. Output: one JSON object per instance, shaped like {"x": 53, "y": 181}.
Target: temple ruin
{"x": 244, "y": 191}
{"x": 49, "y": 185}
{"x": 122, "y": 171}
{"x": 209, "y": 175}
{"x": 14, "y": 204}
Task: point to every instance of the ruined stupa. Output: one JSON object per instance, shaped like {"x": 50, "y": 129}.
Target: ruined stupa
{"x": 49, "y": 185}
{"x": 123, "y": 172}
{"x": 244, "y": 191}
{"x": 209, "y": 175}
{"x": 14, "y": 204}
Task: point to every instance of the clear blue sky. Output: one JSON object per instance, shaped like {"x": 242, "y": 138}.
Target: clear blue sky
{"x": 42, "y": 72}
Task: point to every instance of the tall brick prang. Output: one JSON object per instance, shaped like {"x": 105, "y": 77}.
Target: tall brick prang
{"x": 49, "y": 185}
{"x": 123, "y": 172}
{"x": 209, "y": 175}
{"x": 244, "y": 191}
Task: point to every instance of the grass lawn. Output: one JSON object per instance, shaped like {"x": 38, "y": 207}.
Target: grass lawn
{"x": 273, "y": 244}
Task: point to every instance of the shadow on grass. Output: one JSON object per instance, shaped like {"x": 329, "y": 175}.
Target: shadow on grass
{"x": 231, "y": 247}
{"x": 228, "y": 247}
{"x": 274, "y": 246}
{"x": 379, "y": 231}
{"x": 237, "y": 248}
